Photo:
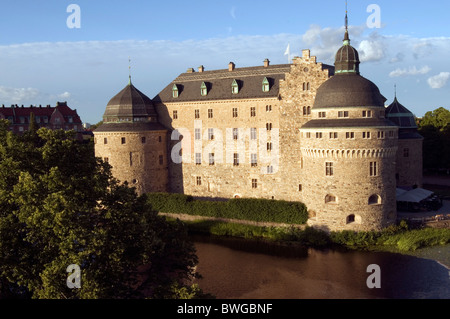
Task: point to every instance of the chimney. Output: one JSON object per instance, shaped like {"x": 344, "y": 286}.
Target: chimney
{"x": 231, "y": 66}
{"x": 266, "y": 63}
{"x": 201, "y": 68}
{"x": 190, "y": 70}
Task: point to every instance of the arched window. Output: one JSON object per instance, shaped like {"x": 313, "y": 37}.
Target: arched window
{"x": 308, "y": 86}
{"x": 350, "y": 219}
{"x": 304, "y": 86}
{"x": 175, "y": 91}
{"x": 203, "y": 89}
{"x": 374, "y": 199}
{"x": 330, "y": 199}
{"x": 234, "y": 87}
{"x": 265, "y": 85}
{"x": 308, "y": 110}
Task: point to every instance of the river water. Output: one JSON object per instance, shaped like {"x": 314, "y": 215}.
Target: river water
{"x": 235, "y": 268}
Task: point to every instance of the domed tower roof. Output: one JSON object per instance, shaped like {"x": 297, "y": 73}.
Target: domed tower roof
{"x": 400, "y": 115}
{"x": 129, "y": 105}
{"x": 404, "y": 119}
{"x": 347, "y": 88}
{"x": 130, "y": 110}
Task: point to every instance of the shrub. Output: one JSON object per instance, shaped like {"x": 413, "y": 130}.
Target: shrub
{"x": 259, "y": 210}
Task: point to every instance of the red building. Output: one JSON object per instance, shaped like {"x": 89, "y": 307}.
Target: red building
{"x": 59, "y": 117}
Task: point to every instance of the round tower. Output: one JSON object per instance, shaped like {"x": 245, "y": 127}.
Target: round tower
{"x": 349, "y": 150}
{"x": 409, "y": 172}
{"x": 133, "y": 142}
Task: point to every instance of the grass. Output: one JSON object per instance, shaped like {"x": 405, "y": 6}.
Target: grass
{"x": 395, "y": 238}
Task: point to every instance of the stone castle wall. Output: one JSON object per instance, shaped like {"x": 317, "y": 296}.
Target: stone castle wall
{"x": 409, "y": 163}
{"x": 139, "y": 158}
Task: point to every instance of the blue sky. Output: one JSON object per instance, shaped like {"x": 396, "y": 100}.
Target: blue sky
{"x": 43, "y": 61}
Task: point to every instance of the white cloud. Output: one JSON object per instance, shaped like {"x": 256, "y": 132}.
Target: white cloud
{"x": 233, "y": 12}
{"x": 439, "y": 81}
{"x": 410, "y": 71}
{"x": 372, "y": 49}
{"x": 18, "y": 95}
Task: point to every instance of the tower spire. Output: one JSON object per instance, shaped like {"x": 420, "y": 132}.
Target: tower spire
{"x": 129, "y": 71}
{"x": 347, "y": 37}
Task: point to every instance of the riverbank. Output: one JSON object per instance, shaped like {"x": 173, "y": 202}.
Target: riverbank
{"x": 395, "y": 239}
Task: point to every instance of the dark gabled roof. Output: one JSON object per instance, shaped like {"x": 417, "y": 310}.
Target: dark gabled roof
{"x": 129, "y": 103}
{"x": 400, "y": 115}
{"x": 21, "y": 111}
{"x": 348, "y": 90}
{"x": 130, "y": 127}
{"x": 219, "y": 82}
{"x": 348, "y": 123}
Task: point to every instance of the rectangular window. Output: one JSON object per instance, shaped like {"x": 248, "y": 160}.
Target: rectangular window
{"x": 254, "y": 183}
{"x": 197, "y": 114}
{"x": 235, "y": 134}
{"x": 269, "y": 126}
{"x": 367, "y": 114}
{"x": 308, "y": 135}
{"x": 161, "y": 159}
{"x": 198, "y": 180}
{"x": 350, "y": 135}
{"x": 300, "y": 187}
{"x": 391, "y": 134}
{"x": 123, "y": 140}
{"x": 131, "y": 158}
{"x": 105, "y": 140}
{"x": 253, "y": 135}
{"x": 333, "y": 135}
{"x": 211, "y": 158}
{"x": 210, "y": 134}
{"x": 210, "y": 113}
{"x": 319, "y": 135}
{"x": 143, "y": 140}
{"x": 254, "y": 160}
{"x": 270, "y": 169}
{"x": 406, "y": 152}
{"x": 373, "y": 169}
{"x": 198, "y": 134}
{"x": 175, "y": 114}
{"x": 235, "y": 112}
{"x": 106, "y": 159}
{"x": 366, "y": 135}
{"x": 252, "y": 111}
{"x": 329, "y": 171}
{"x": 343, "y": 114}
{"x": 160, "y": 139}
{"x": 268, "y": 108}
{"x": 269, "y": 146}
{"x": 198, "y": 158}
{"x": 236, "y": 159}
{"x": 322, "y": 115}
{"x": 381, "y": 135}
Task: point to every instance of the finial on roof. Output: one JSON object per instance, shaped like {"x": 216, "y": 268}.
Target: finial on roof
{"x": 129, "y": 71}
{"x": 346, "y": 38}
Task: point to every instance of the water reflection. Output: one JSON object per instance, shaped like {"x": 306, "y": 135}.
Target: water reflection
{"x": 237, "y": 268}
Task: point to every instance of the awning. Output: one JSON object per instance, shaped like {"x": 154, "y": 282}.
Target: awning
{"x": 414, "y": 196}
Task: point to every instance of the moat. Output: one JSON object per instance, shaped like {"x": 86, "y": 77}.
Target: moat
{"x": 235, "y": 268}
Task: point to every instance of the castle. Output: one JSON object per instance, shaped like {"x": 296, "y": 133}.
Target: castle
{"x": 305, "y": 131}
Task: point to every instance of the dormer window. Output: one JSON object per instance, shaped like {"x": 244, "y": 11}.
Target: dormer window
{"x": 265, "y": 85}
{"x": 175, "y": 91}
{"x": 203, "y": 89}
{"x": 234, "y": 87}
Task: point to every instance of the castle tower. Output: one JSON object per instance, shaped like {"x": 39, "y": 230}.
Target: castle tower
{"x": 409, "y": 172}
{"x": 133, "y": 142}
{"x": 349, "y": 150}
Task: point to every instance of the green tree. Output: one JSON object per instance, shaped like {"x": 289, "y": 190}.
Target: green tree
{"x": 59, "y": 205}
{"x": 439, "y": 118}
{"x": 435, "y": 128}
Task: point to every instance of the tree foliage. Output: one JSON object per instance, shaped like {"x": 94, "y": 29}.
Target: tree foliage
{"x": 59, "y": 205}
{"x": 435, "y": 128}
